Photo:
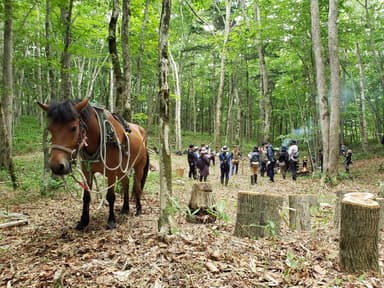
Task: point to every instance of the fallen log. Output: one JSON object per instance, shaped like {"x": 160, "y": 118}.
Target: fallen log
{"x": 14, "y": 223}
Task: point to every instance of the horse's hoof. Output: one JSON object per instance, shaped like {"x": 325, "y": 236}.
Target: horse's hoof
{"x": 80, "y": 226}
{"x": 111, "y": 225}
{"x": 138, "y": 213}
{"x": 124, "y": 211}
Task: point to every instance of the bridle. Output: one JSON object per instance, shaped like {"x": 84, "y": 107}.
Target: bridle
{"x": 81, "y": 142}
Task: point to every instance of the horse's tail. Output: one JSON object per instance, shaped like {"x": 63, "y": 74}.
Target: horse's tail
{"x": 145, "y": 174}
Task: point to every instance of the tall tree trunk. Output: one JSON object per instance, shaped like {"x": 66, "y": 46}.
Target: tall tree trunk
{"x": 66, "y": 84}
{"x": 49, "y": 96}
{"x": 193, "y": 93}
{"x": 139, "y": 64}
{"x": 334, "y": 129}
{"x": 118, "y": 80}
{"x": 264, "y": 82}
{"x": 7, "y": 97}
{"x": 237, "y": 122}
{"x": 321, "y": 84}
{"x": 126, "y": 94}
{"x": 179, "y": 146}
{"x": 363, "y": 116}
{"x": 220, "y": 91}
{"x": 165, "y": 220}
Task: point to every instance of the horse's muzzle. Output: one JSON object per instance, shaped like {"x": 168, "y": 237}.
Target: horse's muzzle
{"x": 61, "y": 168}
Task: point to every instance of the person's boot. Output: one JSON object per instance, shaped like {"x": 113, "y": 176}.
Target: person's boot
{"x": 226, "y": 181}
{"x": 255, "y": 177}
{"x": 252, "y": 180}
{"x": 222, "y": 181}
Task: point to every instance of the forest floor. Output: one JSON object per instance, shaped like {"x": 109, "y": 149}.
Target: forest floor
{"x": 49, "y": 252}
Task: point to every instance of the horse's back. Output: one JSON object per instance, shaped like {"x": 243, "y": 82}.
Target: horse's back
{"x": 138, "y": 133}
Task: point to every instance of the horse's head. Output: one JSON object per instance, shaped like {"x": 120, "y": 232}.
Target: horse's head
{"x": 64, "y": 126}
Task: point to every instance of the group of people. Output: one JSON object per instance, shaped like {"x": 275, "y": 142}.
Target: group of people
{"x": 261, "y": 159}
{"x": 199, "y": 159}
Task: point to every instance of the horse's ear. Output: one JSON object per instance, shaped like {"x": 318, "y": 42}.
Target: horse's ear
{"x": 80, "y": 106}
{"x": 43, "y": 106}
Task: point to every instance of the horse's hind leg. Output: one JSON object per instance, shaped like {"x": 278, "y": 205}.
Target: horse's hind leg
{"x": 137, "y": 192}
{"x": 125, "y": 187}
{"x": 111, "y": 201}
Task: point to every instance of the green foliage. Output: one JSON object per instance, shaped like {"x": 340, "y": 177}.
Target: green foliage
{"x": 27, "y": 136}
{"x": 218, "y": 211}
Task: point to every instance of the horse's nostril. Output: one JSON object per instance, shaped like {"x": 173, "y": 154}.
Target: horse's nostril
{"x": 61, "y": 168}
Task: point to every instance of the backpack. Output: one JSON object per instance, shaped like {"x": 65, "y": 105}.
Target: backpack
{"x": 295, "y": 156}
{"x": 225, "y": 160}
{"x": 191, "y": 156}
{"x": 255, "y": 160}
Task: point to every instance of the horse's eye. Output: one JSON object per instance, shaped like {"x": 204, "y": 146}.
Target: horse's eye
{"x": 73, "y": 129}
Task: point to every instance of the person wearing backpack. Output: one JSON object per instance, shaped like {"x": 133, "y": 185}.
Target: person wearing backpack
{"x": 293, "y": 152}
{"x": 271, "y": 161}
{"x": 225, "y": 158}
{"x": 192, "y": 161}
{"x": 348, "y": 160}
{"x": 254, "y": 163}
{"x": 283, "y": 161}
{"x": 236, "y": 155}
{"x": 263, "y": 160}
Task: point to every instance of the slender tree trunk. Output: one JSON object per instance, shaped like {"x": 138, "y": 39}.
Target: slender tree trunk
{"x": 237, "y": 122}
{"x": 264, "y": 82}
{"x": 363, "y": 115}
{"x": 193, "y": 93}
{"x": 140, "y": 56}
{"x": 66, "y": 84}
{"x": 321, "y": 84}
{"x": 117, "y": 74}
{"x": 179, "y": 146}
{"x": 7, "y": 97}
{"x": 334, "y": 129}
{"x": 165, "y": 220}
{"x": 95, "y": 73}
{"x": 220, "y": 91}
{"x": 126, "y": 93}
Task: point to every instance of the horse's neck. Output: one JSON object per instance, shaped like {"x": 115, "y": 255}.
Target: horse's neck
{"x": 93, "y": 134}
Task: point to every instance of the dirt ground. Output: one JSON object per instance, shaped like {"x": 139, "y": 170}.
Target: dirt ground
{"x": 49, "y": 252}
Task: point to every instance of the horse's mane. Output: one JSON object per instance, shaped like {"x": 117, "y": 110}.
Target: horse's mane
{"x": 63, "y": 112}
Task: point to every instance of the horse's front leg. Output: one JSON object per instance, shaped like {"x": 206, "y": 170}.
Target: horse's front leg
{"x": 125, "y": 187}
{"x": 111, "y": 201}
{"x": 84, "y": 220}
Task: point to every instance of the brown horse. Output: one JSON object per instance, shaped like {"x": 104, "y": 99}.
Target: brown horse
{"x": 106, "y": 143}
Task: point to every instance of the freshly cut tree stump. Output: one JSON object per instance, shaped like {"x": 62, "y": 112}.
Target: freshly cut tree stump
{"x": 299, "y": 212}
{"x": 202, "y": 204}
{"x": 359, "y": 233}
{"x": 381, "y": 221}
{"x": 339, "y": 198}
{"x": 258, "y": 215}
{"x": 337, "y": 216}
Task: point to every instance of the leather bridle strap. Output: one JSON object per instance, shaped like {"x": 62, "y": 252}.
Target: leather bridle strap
{"x": 63, "y": 148}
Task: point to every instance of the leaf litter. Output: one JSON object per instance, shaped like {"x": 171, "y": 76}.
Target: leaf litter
{"x": 49, "y": 252}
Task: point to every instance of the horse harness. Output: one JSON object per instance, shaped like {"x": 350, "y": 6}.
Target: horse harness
{"x": 107, "y": 133}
